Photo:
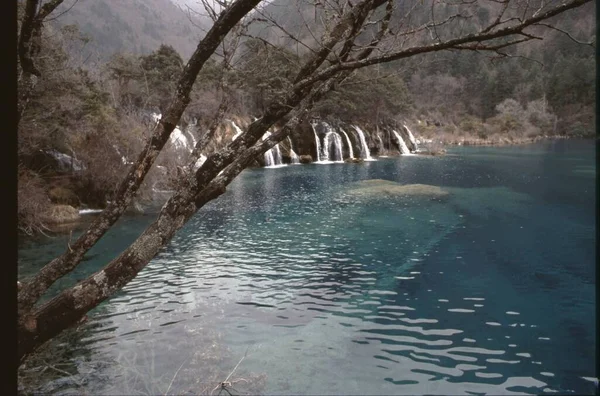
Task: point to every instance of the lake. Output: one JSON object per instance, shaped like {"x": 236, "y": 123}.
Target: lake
{"x": 317, "y": 282}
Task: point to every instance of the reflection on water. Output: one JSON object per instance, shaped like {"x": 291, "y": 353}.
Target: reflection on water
{"x": 322, "y": 291}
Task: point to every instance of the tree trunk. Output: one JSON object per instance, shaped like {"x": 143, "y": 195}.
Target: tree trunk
{"x": 62, "y": 265}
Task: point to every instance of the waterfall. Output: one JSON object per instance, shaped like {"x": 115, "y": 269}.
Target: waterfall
{"x": 294, "y": 157}
{"x": 190, "y": 134}
{"x": 403, "y": 149}
{"x": 238, "y": 131}
{"x": 178, "y": 139}
{"x": 269, "y": 161}
{"x": 337, "y": 146}
{"x": 189, "y": 130}
{"x": 349, "y": 143}
{"x": 364, "y": 149}
{"x": 199, "y": 162}
{"x": 336, "y": 142}
{"x": 411, "y": 137}
{"x": 381, "y": 147}
{"x": 331, "y": 138}
{"x": 317, "y": 142}
{"x": 273, "y": 155}
{"x": 277, "y": 154}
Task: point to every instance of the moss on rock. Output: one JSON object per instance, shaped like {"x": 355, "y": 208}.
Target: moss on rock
{"x": 63, "y": 196}
{"x": 378, "y": 187}
{"x": 60, "y": 214}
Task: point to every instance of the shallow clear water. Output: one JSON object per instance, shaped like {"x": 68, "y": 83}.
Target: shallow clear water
{"x": 489, "y": 289}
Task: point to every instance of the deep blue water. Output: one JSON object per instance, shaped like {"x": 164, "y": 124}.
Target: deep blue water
{"x": 489, "y": 288}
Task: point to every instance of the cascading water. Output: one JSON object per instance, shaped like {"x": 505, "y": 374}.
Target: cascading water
{"x": 199, "y": 162}
{"x": 332, "y": 138}
{"x": 293, "y": 156}
{"x": 273, "y": 155}
{"x": 403, "y": 148}
{"x": 277, "y": 154}
{"x": 178, "y": 139}
{"x": 381, "y": 147}
{"x": 317, "y": 143}
{"x": 189, "y": 133}
{"x": 337, "y": 141}
{"x": 411, "y": 137}
{"x": 349, "y": 143}
{"x": 364, "y": 149}
{"x": 238, "y": 131}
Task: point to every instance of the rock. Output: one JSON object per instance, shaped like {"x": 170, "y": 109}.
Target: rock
{"x": 378, "y": 187}
{"x": 135, "y": 208}
{"x": 433, "y": 152}
{"x": 353, "y": 160}
{"x": 64, "y": 196}
{"x": 60, "y": 214}
{"x": 306, "y": 159}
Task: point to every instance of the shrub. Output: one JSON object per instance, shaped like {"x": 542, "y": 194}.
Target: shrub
{"x": 64, "y": 196}
{"x": 32, "y": 202}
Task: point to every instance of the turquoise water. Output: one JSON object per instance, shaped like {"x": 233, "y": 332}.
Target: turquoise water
{"x": 488, "y": 288}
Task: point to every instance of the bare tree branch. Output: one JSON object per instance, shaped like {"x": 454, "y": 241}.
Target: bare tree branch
{"x": 590, "y": 43}
{"x": 448, "y": 44}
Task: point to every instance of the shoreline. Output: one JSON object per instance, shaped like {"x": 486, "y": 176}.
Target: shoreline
{"x": 499, "y": 141}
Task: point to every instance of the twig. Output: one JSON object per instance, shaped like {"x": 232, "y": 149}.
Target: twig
{"x": 224, "y": 384}
{"x": 175, "y": 376}
{"x": 591, "y": 43}
{"x": 62, "y": 372}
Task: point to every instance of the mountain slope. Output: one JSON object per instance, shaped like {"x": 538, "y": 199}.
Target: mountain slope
{"x": 137, "y": 26}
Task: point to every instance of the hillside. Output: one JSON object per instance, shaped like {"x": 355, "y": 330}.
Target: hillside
{"x": 136, "y": 26}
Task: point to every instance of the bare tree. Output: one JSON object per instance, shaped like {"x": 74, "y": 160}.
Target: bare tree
{"x": 353, "y": 36}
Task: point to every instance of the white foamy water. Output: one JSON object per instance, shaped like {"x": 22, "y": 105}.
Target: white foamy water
{"x": 350, "y": 149}
{"x": 403, "y": 148}
{"x": 317, "y": 142}
{"x": 410, "y": 136}
{"x": 272, "y": 156}
{"x": 89, "y": 211}
{"x": 333, "y": 141}
{"x": 293, "y": 156}
{"x": 238, "y": 131}
{"x": 366, "y": 154}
